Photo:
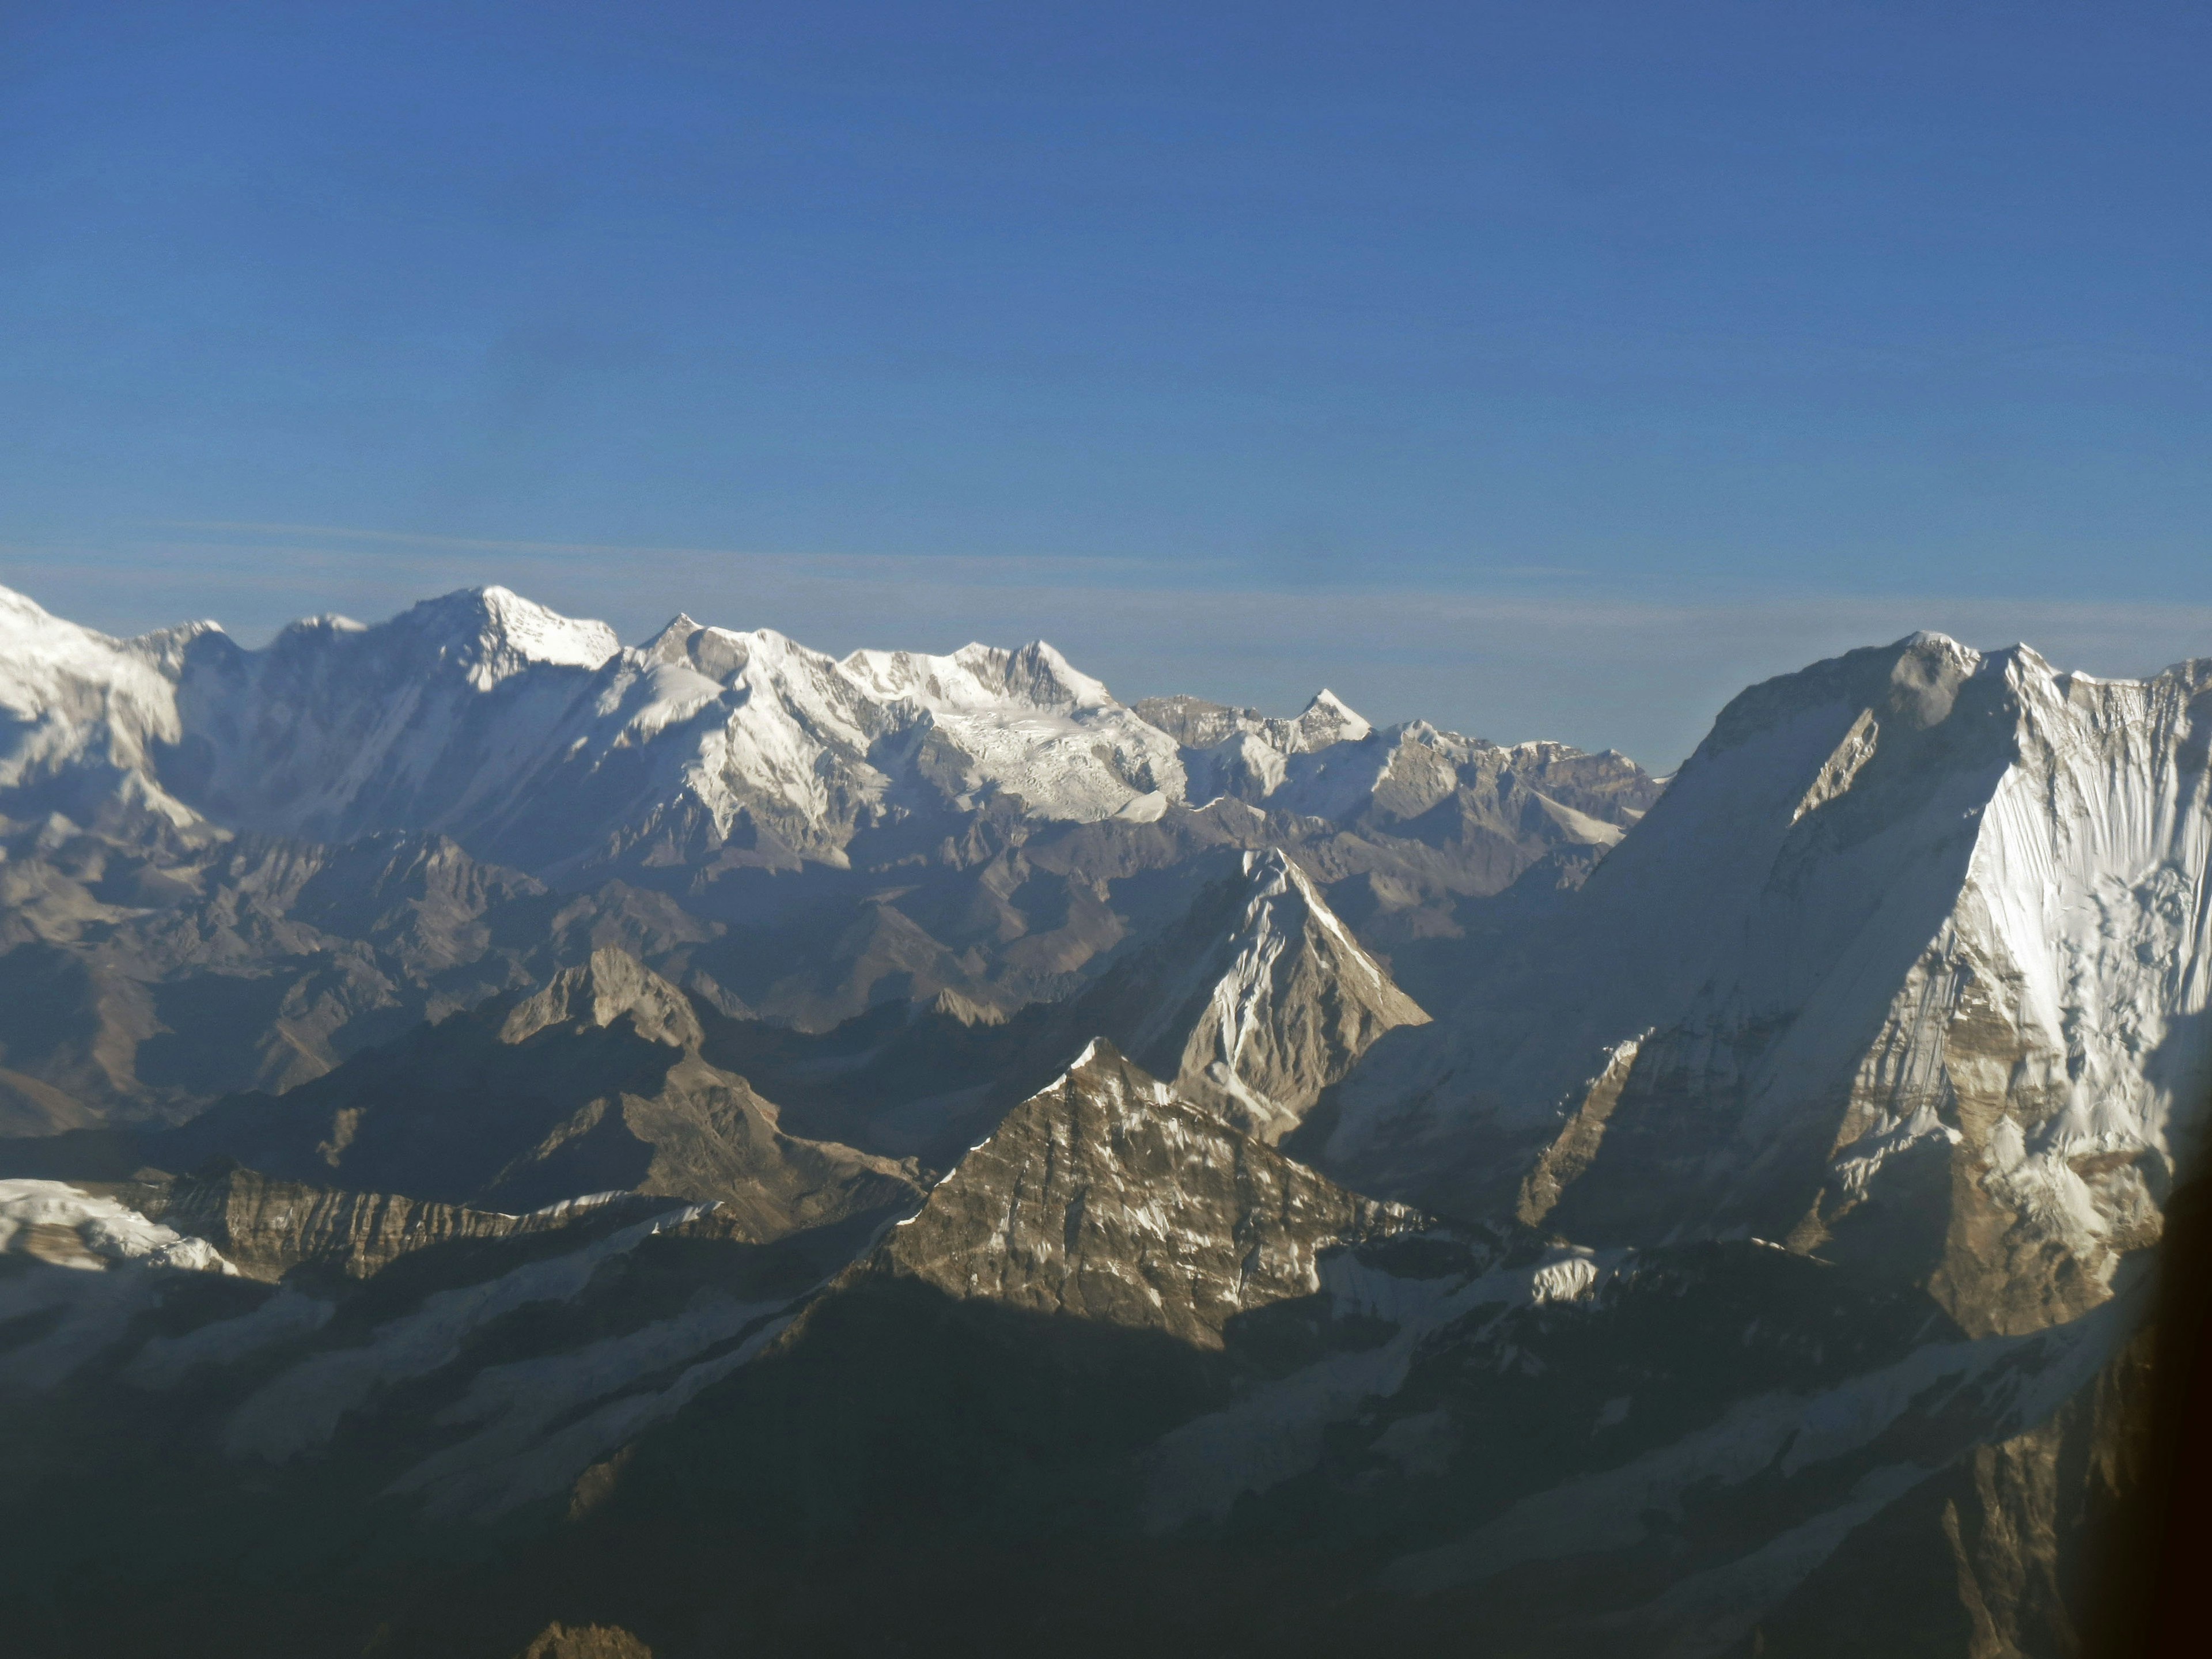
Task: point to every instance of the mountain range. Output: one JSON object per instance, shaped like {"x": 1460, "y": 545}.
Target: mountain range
{"x": 515, "y": 1142}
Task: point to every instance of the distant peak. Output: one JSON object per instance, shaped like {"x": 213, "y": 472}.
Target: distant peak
{"x": 1035, "y": 673}
{"x": 497, "y": 631}
{"x": 671, "y": 643}
{"x": 1328, "y": 719}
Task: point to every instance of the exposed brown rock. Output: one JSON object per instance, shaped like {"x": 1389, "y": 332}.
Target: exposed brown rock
{"x": 1107, "y": 1196}
{"x": 560, "y": 1641}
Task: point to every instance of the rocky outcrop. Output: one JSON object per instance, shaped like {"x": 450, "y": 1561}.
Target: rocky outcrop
{"x": 268, "y": 1226}
{"x": 594, "y": 995}
{"x": 592, "y": 1084}
{"x": 1107, "y": 1197}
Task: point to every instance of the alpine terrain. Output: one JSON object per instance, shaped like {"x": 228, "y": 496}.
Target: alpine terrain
{"x": 512, "y": 1143}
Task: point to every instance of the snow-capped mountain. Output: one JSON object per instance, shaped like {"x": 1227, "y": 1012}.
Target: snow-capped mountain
{"x": 230, "y": 869}
{"x": 1254, "y": 1003}
{"x": 541, "y": 741}
{"x": 1613, "y": 1222}
{"x": 1911, "y": 960}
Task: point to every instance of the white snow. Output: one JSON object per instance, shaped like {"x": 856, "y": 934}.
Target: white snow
{"x": 68, "y": 1227}
{"x": 71, "y": 699}
{"x": 539, "y": 739}
{"x": 98, "y": 1263}
{"x": 1885, "y": 885}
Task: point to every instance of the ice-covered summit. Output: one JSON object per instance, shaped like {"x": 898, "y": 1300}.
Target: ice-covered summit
{"x": 1913, "y": 959}
{"x": 538, "y": 738}
{"x": 495, "y": 632}
{"x": 540, "y": 741}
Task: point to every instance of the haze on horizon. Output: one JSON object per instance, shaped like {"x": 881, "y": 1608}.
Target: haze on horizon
{"x": 1541, "y": 372}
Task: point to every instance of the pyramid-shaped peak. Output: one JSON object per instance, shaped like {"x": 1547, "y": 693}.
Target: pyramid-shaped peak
{"x": 671, "y": 644}
{"x": 1061, "y": 1210}
{"x": 1328, "y": 719}
{"x": 1253, "y": 1002}
{"x": 497, "y": 630}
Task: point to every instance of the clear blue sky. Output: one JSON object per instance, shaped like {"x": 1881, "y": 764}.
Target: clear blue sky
{"x": 1544, "y": 368}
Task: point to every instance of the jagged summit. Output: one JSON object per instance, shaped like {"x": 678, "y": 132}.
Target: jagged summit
{"x": 1255, "y": 1002}
{"x": 1197, "y": 723}
{"x": 979, "y": 676}
{"x": 1912, "y": 959}
{"x": 1107, "y": 1196}
{"x": 611, "y": 985}
{"x": 538, "y": 741}
{"x": 536, "y": 738}
{"x": 592, "y": 1083}
{"x": 1328, "y": 719}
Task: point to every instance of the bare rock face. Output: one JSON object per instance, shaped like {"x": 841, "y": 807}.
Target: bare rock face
{"x": 596, "y": 993}
{"x": 1107, "y": 1197}
{"x": 1254, "y": 1003}
{"x": 592, "y": 1084}
{"x": 268, "y": 1227}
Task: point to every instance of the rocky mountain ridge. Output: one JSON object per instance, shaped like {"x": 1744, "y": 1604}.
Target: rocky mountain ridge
{"x": 228, "y": 869}
{"x": 1402, "y": 1191}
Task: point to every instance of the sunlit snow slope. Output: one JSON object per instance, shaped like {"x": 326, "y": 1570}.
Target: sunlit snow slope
{"x": 540, "y": 741}
{"x": 1910, "y": 959}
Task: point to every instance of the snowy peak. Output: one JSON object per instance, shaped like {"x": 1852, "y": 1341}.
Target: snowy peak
{"x": 537, "y": 742}
{"x": 1105, "y": 1196}
{"x": 669, "y": 644}
{"x": 1913, "y": 684}
{"x": 82, "y": 713}
{"x": 1330, "y": 763}
{"x": 1025, "y": 725}
{"x": 1256, "y": 1001}
{"x": 1328, "y": 719}
{"x": 1911, "y": 963}
{"x": 535, "y": 739}
{"x": 493, "y": 633}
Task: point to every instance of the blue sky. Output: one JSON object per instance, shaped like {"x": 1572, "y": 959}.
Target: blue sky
{"x": 1544, "y": 369}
